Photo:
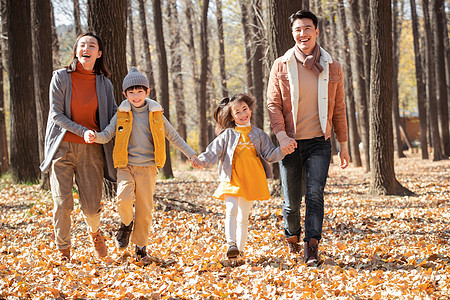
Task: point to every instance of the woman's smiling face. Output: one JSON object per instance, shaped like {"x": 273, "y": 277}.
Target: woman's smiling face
{"x": 88, "y": 52}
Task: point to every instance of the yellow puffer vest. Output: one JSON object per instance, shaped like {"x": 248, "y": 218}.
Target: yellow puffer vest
{"x": 123, "y": 132}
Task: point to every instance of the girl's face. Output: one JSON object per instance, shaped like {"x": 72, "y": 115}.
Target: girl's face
{"x": 241, "y": 113}
{"x": 88, "y": 52}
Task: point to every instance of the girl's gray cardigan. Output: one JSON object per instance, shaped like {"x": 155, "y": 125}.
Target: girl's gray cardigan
{"x": 223, "y": 146}
{"x": 59, "y": 121}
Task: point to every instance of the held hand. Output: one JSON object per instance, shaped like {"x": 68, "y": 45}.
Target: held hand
{"x": 286, "y": 151}
{"x": 195, "y": 162}
{"x": 345, "y": 158}
{"x": 90, "y": 137}
{"x": 288, "y": 145}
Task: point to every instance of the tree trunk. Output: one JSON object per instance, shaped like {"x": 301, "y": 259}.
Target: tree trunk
{"x": 176, "y": 69}
{"x": 279, "y": 32}
{"x": 223, "y": 76}
{"x": 247, "y": 44}
{"x": 438, "y": 21}
{"x": 131, "y": 33}
{"x": 55, "y": 42}
{"x": 396, "y": 32}
{"x": 421, "y": 102}
{"x": 23, "y": 125}
{"x": 331, "y": 48}
{"x": 360, "y": 93}
{"x": 365, "y": 31}
{"x": 147, "y": 54}
{"x": 4, "y": 159}
{"x": 447, "y": 57}
{"x": 348, "y": 85}
{"x": 432, "y": 113}
{"x": 203, "y": 75}
{"x": 383, "y": 181}
{"x": 331, "y": 32}
{"x": 76, "y": 16}
{"x": 324, "y": 27}
{"x": 305, "y": 4}
{"x": 4, "y": 39}
{"x": 108, "y": 18}
{"x": 257, "y": 64}
{"x": 192, "y": 53}
{"x": 163, "y": 91}
{"x": 42, "y": 69}
{"x": 317, "y": 9}
{"x": 210, "y": 94}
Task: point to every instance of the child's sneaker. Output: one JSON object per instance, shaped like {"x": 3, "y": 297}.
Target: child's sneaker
{"x": 140, "y": 253}
{"x": 123, "y": 235}
{"x": 232, "y": 251}
{"x": 141, "y": 256}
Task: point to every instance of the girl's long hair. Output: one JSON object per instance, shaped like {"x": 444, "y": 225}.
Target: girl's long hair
{"x": 100, "y": 66}
{"x": 222, "y": 113}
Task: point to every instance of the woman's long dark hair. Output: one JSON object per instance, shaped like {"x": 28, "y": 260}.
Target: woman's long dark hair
{"x": 100, "y": 66}
{"x": 222, "y": 113}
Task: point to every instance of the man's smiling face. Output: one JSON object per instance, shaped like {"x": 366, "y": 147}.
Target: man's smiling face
{"x": 305, "y": 34}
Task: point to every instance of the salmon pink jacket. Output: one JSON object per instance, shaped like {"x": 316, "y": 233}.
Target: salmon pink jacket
{"x": 283, "y": 94}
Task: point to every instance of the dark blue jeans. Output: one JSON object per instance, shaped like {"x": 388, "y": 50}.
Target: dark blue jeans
{"x": 311, "y": 159}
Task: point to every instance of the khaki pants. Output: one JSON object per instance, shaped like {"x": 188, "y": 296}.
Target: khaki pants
{"x": 136, "y": 185}
{"x": 85, "y": 161}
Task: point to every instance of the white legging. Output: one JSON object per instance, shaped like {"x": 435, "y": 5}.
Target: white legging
{"x": 236, "y": 220}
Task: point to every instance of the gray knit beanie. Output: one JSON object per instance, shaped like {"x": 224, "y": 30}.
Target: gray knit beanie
{"x": 134, "y": 77}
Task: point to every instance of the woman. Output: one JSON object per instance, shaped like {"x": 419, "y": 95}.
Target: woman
{"x": 81, "y": 99}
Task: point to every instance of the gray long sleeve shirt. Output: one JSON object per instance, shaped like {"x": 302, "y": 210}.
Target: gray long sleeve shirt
{"x": 140, "y": 144}
{"x": 223, "y": 146}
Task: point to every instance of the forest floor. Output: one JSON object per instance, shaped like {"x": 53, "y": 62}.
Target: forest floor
{"x": 373, "y": 247}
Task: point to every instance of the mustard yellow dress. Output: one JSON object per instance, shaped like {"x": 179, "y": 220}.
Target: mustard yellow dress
{"x": 248, "y": 178}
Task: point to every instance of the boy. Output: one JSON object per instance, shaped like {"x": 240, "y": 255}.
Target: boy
{"x": 140, "y": 129}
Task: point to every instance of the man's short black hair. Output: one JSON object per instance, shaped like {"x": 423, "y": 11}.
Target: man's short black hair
{"x": 303, "y": 14}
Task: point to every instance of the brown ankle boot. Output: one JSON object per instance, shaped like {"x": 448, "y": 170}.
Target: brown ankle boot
{"x": 98, "y": 242}
{"x": 293, "y": 245}
{"x": 311, "y": 252}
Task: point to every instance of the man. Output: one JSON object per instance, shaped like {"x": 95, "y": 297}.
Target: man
{"x": 305, "y": 99}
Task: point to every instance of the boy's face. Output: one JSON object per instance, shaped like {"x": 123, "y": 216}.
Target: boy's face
{"x": 137, "y": 96}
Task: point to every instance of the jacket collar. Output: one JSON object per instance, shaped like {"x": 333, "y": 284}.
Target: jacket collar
{"x": 323, "y": 55}
{"x": 125, "y": 106}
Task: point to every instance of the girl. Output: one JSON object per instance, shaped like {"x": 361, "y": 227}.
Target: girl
{"x": 81, "y": 99}
{"x": 243, "y": 152}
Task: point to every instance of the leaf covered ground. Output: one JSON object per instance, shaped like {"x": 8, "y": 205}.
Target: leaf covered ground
{"x": 373, "y": 247}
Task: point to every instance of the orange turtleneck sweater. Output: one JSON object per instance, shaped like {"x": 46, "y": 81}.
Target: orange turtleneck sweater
{"x": 84, "y": 103}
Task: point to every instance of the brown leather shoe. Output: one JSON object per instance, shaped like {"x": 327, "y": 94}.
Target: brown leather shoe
{"x": 294, "y": 248}
{"x": 311, "y": 252}
{"x": 293, "y": 244}
{"x": 64, "y": 253}
{"x": 98, "y": 242}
